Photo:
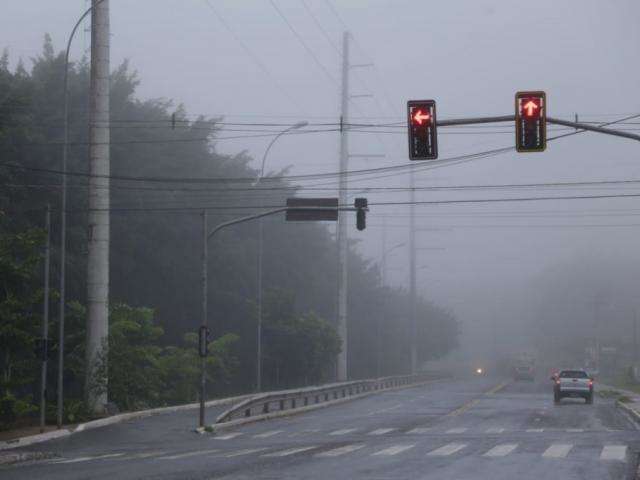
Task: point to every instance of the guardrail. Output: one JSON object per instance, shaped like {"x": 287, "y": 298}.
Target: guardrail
{"x": 287, "y": 400}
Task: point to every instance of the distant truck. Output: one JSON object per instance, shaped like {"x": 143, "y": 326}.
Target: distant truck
{"x": 524, "y": 367}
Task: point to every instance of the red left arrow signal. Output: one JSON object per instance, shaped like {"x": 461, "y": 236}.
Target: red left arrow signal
{"x": 419, "y": 117}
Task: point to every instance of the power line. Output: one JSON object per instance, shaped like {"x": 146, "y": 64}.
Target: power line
{"x": 252, "y": 55}
{"x": 303, "y": 43}
{"x": 196, "y": 180}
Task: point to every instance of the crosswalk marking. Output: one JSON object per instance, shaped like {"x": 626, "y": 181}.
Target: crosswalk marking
{"x": 495, "y": 430}
{"x": 557, "y": 450}
{"x": 291, "y": 451}
{"x": 614, "y": 452}
{"x": 501, "y": 450}
{"x": 448, "y": 449}
{"x": 187, "y": 454}
{"x": 267, "y": 434}
{"x": 96, "y": 457}
{"x": 535, "y": 430}
{"x": 456, "y": 430}
{"x": 336, "y": 452}
{"x": 381, "y": 431}
{"x": 228, "y": 436}
{"x": 246, "y": 451}
{"x": 420, "y": 430}
{"x": 394, "y": 450}
{"x": 344, "y": 431}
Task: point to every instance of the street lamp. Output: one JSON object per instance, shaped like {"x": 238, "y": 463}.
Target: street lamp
{"x": 295, "y": 126}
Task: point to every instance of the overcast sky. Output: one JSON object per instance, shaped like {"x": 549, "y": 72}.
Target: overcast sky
{"x": 470, "y": 56}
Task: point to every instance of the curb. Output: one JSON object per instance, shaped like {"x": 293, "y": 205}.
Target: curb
{"x": 216, "y": 427}
{"x": 633, "y": 414}
{"x": 103, "y": 422}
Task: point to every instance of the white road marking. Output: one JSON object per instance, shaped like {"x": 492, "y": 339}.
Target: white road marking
{"x": 535, "y": 430}
{"x": 456, "y": 430}
{"x": 291, "y": 451}
{"x": 138, "y": 456}
{"x": 614, "y": 452}
{"x": 96, "y": 457}
{"x": 574, "y": 430}
{"x": 246, "y": 451}
{"x": 495, "y": 430}
{"x": 419, "y": 430}
{"x": 381, "y": 431}
{"x": 267, "y": 434}
{"x": 448, "y": 449}
{"x": 375, "y": 412}
{"x": 336, "y": 452}
{"x": 187, "y": 454}
{"x": 394, "y": 450}
{"x": 303, "y": 432}
{"x": 557, "y": 450}
{"x": 344, "y": 431}
{"x": 228, "y": 436}
{"x": 501, "y": 450}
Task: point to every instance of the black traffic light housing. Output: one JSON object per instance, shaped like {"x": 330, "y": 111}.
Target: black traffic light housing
{"x": 203, "y": 341}
{"x": 531, "y": 121}
{"x": 361, "y": 213}
{"x": 421, "y": 125}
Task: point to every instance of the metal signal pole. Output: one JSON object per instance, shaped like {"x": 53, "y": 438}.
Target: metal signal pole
{"x": 412, "y": 276}
{"x": 45, "y": 321}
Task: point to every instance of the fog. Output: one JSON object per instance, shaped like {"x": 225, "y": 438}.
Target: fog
{"x": 517, "y": 274}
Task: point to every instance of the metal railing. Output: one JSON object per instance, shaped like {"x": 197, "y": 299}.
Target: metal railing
{"x": 284, "y": 400}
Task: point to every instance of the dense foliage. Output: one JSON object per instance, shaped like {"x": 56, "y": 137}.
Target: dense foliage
{"x": 155, "y": 259}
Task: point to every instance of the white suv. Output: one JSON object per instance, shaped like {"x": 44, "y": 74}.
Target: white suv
{"x": 572, "y": 383}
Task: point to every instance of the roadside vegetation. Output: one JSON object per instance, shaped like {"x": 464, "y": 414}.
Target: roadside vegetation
{"x": 155, "y": 260}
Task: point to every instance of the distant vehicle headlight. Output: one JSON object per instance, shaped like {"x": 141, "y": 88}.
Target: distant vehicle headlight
{"x": 479, "y": 371}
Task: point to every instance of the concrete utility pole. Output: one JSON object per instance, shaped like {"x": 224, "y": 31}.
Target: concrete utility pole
{"x": 45, "y": 320}
{"x": 98, "y": 234}
{"x": 343, "y": 371}
{"x": 412, "y": 274}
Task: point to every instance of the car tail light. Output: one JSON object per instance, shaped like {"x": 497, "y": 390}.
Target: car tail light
{"x": 557, "y": 381}
{"x": 591, "y": 383}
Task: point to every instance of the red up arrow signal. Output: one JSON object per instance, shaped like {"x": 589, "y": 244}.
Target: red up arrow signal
{"x": 530, "y": 107}
{"x": 419, "y": 117}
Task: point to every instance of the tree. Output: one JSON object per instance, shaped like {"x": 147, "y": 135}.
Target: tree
{"x": 298, "y": 349}
{"x": 20, "y": 318}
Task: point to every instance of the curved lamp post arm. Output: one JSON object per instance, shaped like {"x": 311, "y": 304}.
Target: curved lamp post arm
{"x": 266, "y": 152}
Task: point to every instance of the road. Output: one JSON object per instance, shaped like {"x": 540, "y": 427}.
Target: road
{"x": 453, "y": 429}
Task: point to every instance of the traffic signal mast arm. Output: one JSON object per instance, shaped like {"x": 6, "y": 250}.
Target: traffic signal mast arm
{"x": 268, "y": 213}
{"x": 555, "y": 121}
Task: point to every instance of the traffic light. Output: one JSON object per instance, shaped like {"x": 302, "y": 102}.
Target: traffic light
{"x": 421, "y": 124}
{"x": 361, "y": 213}
{"x": 531, "y": 121}
{"x": 203, "y": 342}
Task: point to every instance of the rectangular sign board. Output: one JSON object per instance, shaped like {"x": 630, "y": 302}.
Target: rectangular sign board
{"x": 314, "y": 214}
{"x": 531, "y": 121}
{"x": 421, "y": 126}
